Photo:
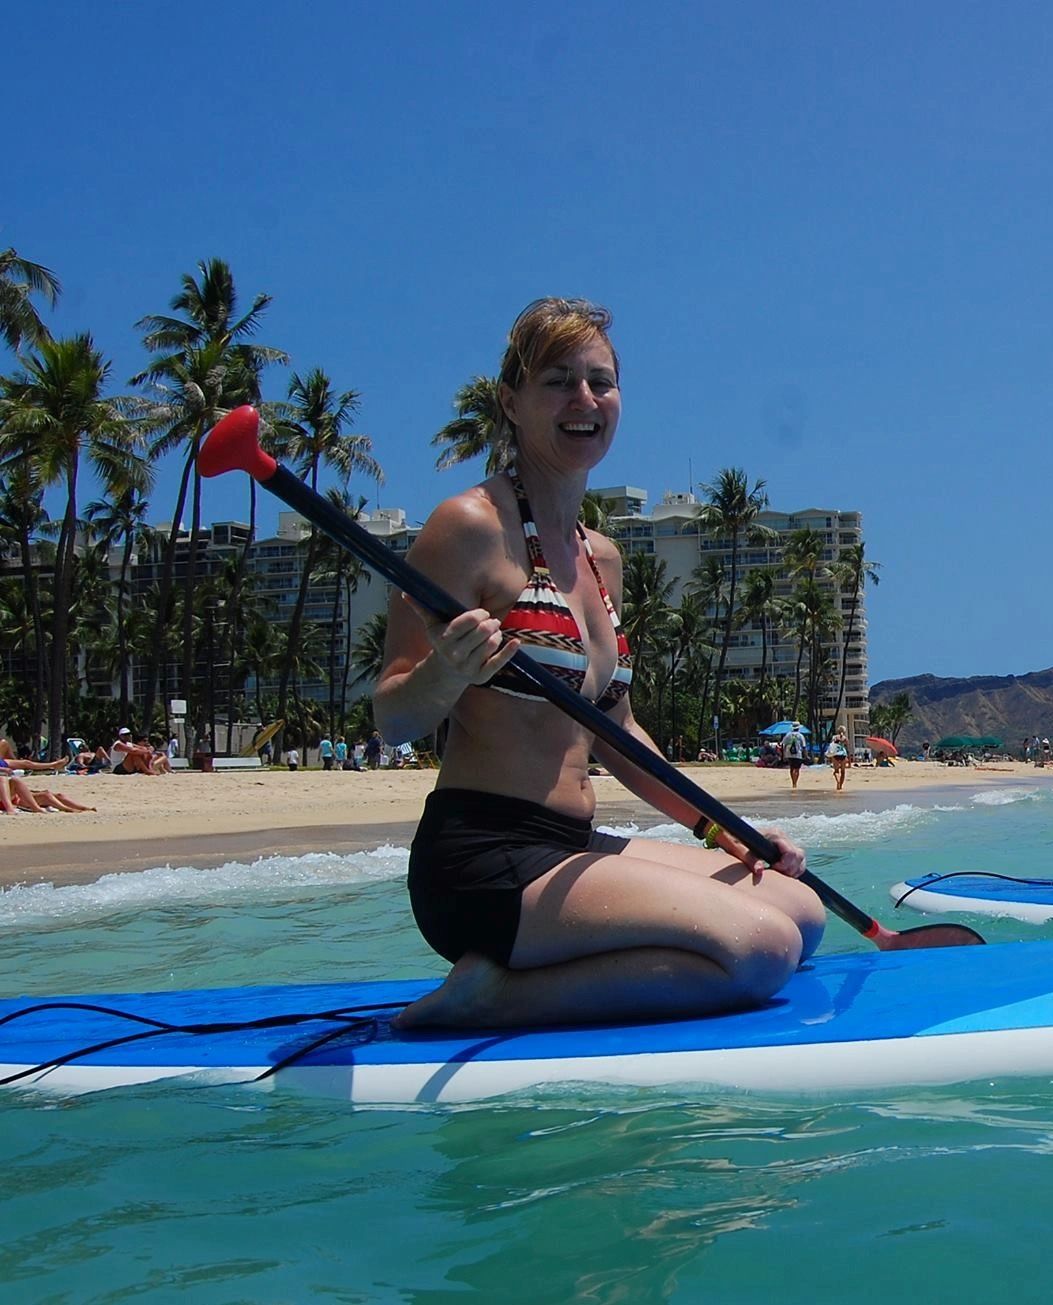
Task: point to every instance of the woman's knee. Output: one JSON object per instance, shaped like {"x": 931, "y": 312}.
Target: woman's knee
{"x": 776, "y": 951}
{"x": 810, "y": 919}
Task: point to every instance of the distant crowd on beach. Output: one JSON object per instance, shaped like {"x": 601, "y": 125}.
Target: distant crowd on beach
{"x": 370, "y": 753}
{"x": 125, "y": 756}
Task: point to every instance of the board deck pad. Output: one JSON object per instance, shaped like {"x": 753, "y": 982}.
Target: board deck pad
{"x": 861, "y": 1020}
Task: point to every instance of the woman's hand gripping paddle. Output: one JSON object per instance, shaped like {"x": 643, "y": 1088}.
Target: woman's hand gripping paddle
{"x": 233, "y": 445}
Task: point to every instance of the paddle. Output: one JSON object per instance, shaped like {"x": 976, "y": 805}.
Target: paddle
{"x": 233, "y": 445}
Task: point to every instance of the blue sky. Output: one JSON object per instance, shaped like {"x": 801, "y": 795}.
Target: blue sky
{"x": 823, "y": 229}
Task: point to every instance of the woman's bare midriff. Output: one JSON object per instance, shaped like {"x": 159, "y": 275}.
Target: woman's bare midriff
{"x": 529, "y": 750}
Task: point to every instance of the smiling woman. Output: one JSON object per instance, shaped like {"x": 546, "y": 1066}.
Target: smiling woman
{"x": 545, "y": 920}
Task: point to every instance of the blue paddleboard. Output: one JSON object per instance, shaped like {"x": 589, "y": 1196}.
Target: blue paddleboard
{"x": 842, "y": 1023}
{"x": 980, "y": 893}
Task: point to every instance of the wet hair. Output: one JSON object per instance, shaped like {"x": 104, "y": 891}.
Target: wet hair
{"x": 544, "y": 332}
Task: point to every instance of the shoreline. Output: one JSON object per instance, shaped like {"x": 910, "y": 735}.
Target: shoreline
{"x": 205, "y": 821}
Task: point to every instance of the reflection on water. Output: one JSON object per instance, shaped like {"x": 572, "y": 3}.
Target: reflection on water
{"x": 230, "y": 1194}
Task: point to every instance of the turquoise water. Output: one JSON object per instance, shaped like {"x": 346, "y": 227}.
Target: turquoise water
{"x": 227, "y": 1195}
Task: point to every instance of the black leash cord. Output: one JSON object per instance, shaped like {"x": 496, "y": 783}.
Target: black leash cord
{"x": 350, "y": 1019}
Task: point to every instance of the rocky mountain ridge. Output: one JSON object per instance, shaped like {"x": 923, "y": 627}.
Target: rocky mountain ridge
{"x": 1006, "y": 706}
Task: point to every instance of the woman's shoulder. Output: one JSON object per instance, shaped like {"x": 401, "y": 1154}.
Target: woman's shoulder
{"x": 473, "y": 516}
{"x": 604, "y": 549}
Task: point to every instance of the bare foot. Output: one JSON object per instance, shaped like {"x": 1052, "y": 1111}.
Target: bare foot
{"x": 471, "y": 996}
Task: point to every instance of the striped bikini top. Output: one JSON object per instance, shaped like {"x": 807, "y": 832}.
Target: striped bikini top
{"x": 541, "y": 619}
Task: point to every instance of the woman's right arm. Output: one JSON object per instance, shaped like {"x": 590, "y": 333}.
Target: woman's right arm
{"x": 428, "y": 663}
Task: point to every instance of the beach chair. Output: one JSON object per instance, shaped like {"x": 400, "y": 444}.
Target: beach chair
{"x": 404, "y": 757}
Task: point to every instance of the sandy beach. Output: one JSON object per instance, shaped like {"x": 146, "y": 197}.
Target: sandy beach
{"x": 205, "y": 820}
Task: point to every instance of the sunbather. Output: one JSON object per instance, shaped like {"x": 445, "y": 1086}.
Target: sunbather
{"x": 9, "y": 761}
{"x": 16, "y": 795}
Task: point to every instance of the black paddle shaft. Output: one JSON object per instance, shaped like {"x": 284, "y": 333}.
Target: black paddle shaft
{"x": 350, "y": 535}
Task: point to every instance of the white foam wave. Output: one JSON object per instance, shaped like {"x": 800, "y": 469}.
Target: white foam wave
{"x": 164, "y": 885}
{"x": 818, "y": 830}
{"x": 1003, "y": 797}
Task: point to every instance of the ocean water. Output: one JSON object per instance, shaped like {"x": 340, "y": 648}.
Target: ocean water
{"x": 186, "y": 1192}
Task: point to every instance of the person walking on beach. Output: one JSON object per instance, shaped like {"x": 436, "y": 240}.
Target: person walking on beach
{"x": 794, "y": 751}
{"x": 292, "y": 758}
{"x": 374, "y": 750}
{"x": 837, "y": 755}
{"x": 340, "y": 752}
{"x": 325, "y": 751}
{"x": 544, "y": 920}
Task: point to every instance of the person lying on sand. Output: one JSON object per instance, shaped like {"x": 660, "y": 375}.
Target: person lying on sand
{"x": 9, "y": 761}
{"x": 16, "y": 795}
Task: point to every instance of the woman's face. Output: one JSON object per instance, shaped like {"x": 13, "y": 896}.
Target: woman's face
{"x": 567, "y": 414}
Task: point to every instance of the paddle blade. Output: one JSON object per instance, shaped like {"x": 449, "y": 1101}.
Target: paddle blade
{"x": 927, "y": 935}
{"x": 233, "y": 444}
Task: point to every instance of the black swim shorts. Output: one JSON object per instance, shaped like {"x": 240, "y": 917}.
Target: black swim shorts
{"x": 472, "y": 856}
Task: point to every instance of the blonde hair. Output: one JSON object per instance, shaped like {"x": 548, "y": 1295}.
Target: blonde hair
{"x": 545, "y": 331}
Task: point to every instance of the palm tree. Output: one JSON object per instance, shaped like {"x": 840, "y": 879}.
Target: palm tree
{"x": 760, "y": 606}
{"x": 91, "y": 620}
{"x": 888, "y": 718}
{"x": 695, "y": 654}
{"x": 708, "y": 586}
{"x": 730, "y": 514}
{"x": 121, "y": 520}
{"x": 367, "y": 655}
{"x": 596, "y": 513}
{"x": 816, "y": 620}
{"x": 20, "y": 279}
{"x": 802, "y": 561}
{"x": 259, "y": 654}
{"x": 21, "y": 513}
{"x": 474, "y": 430}
{"x": 206, "y": 366}
{"x": 337, "y": 567}
{"x": 312, "y": 433}
{"x": 646, "y": 614}
{"x": 17, "y": 629}
{"x": 57, "y": 403}
{"x": 851, "y": 571}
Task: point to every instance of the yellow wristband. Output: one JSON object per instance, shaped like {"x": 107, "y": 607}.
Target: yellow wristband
{"x": 713, "y": 832}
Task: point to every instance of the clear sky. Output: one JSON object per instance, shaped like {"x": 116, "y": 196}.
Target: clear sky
{"x": 823, "y": 228}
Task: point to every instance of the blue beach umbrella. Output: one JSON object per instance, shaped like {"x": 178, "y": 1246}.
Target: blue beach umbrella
{"x": 780, "y": 728}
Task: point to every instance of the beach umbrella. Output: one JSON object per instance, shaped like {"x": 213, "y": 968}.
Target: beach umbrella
{"x": 877, "y": 744}
{"x": 780, "y": 728}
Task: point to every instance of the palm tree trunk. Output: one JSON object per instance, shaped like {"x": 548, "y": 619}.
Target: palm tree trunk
{"x": 122, "y": 634}
{"x": 159, "y": 652}
{"x": 725, "y": 642}
{"x": 32, "y": 591}
{"x": 295, "y": 626}
{"x": 334, "y": 618}
{"x": 345, "y": 675}
{"x": 188, "y": 598}
{"x": 844, "y": 654}
{"x": 63, "y": 584}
